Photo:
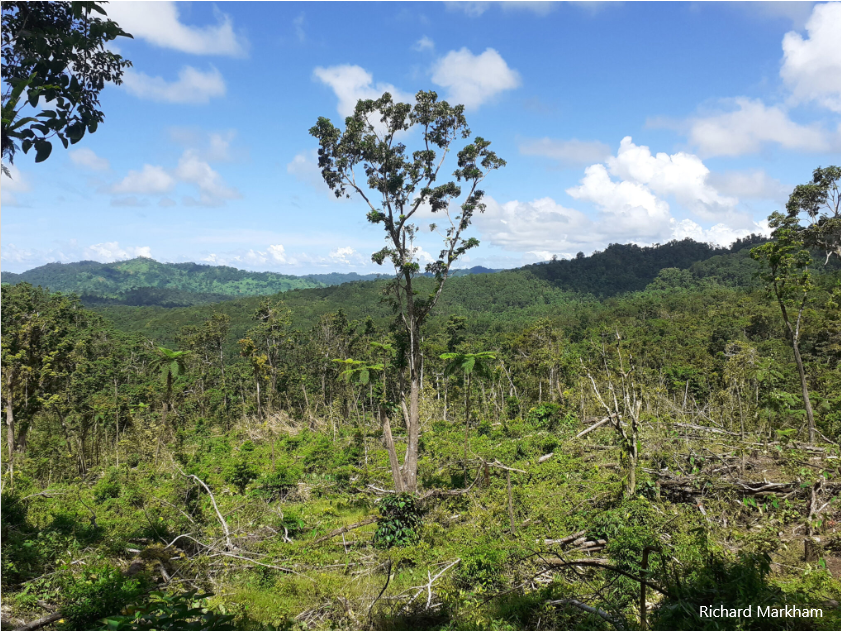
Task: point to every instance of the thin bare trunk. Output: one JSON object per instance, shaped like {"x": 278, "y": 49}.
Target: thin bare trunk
{"x": 396, "y": 474}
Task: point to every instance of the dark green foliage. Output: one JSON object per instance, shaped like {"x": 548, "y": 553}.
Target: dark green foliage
{"x": 483, "y": 567}
{"x": 58, "y": 51}
{"x": 109, "y": 486}
{"x": 278, "y": 484}
{"x": 546, "y": 415}
{"x": 185, "y": 611}
{"x": 98, "y": 594}
{"x": 240, "y": 473}
{"x": 719, "y": 580}
{"x": 399, "y": 521}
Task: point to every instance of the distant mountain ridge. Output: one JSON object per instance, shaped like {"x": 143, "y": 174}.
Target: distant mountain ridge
{"x": 146, "y": 282}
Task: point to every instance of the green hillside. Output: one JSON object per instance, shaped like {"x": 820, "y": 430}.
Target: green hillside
{"x": 144, "y": 282}
{"x": 491, "y": 303}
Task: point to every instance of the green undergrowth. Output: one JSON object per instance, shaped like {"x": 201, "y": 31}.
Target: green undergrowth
{"x": 64, "y": 544}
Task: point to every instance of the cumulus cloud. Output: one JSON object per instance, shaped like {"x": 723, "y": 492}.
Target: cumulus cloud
{"x": 112, "y": 251}
{"x": 812, "y": 65}
{"x": 193, "y": 168}
{"x": 424, "y": 43}
{"x": 750, "y": 126}
{"x": 568, "y": 152}
{"x": 192, "y": 86}
{"x": 539, "y": 225}
{"x": 87, "y": 159}
{"x": 474, "y": 79}
{"x": 351, "y": 83}
{"x": 150, "y": 180}
{"x": 631, "y": 193}
{"x": 212, "y": 190}
{"x": 212, "y": 146}
{"x": 272, "y": 257}
{"x": 160, "y": 25}
{"x": 719, "y": 234}
{"x": 682, "y": 175}
{"x": 346, "y": 256}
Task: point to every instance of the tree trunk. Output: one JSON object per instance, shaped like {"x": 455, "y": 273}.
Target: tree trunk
{"x": 794, "y": 337}
{"x": 466, "y": 423}
{"x": 396, "y": 475}
{"x": 10, "y": 429}
{"x": 410, "y": 466}
{"x": 805, "y": 388}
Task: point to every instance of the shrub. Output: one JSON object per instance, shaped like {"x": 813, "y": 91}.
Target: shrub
{"x": 240, "y": 474}
{"x": 173, "y": 612}
{"x": 545, "y": 415}
{"x": 400, "y": 518}
{"x": 98, "y": 594}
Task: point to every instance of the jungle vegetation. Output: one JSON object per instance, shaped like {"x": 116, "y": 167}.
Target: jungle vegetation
{"x": 654, "y": 437}
{"x": 610, "y": 442}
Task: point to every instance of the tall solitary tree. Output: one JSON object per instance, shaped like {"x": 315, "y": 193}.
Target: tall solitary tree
{"x": 368, "y": 159}
{"x": 789, "y": 280}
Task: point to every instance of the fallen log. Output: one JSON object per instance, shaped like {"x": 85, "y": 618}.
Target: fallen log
{"x": 344, "y": 529}
{"x": 40, "y": 622}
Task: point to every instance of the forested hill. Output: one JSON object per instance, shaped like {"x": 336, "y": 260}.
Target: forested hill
{"x": 622, "y": 268}
{"x": 143, "y": 281}
{"x": 491, "y": 303}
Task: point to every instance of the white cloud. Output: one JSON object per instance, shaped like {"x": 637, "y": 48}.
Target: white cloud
{"x": 87, "y": 159}
{"x": 346, "y": 256}
{"x": 473, "y": 79}
{"x": 304, "y": 167}
{"x": 812, "y": 66}
{"x": 751, "y": 184}
{"x": 682, "y": 175}
{"x": 568, "y": 152}
{"x": 629, "y": 207}
{"x": 277, "y": 253}
{"x": 150, "y": 180}
{"x": 540, "y": 225}
{"x": 21, "y": 259}
{"x": 630, "y": 192}
{"x": 272, "y": 257}
{"x": 212, "y": 146}
{"x": 424, "y": 43}
{"x": 748, "y": 128}
{"x": 12, "y": 184}
{"x": 351, "y": 83}
{"x": 193, "y": 170}
{"x": 111, "y": 251}
{"x": 160, "y": 25}
{"x": 193, "y": 86}
{"x": 719, "y": 234}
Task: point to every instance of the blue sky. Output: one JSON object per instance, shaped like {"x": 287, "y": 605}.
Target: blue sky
{"x": 620, "y": 122}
